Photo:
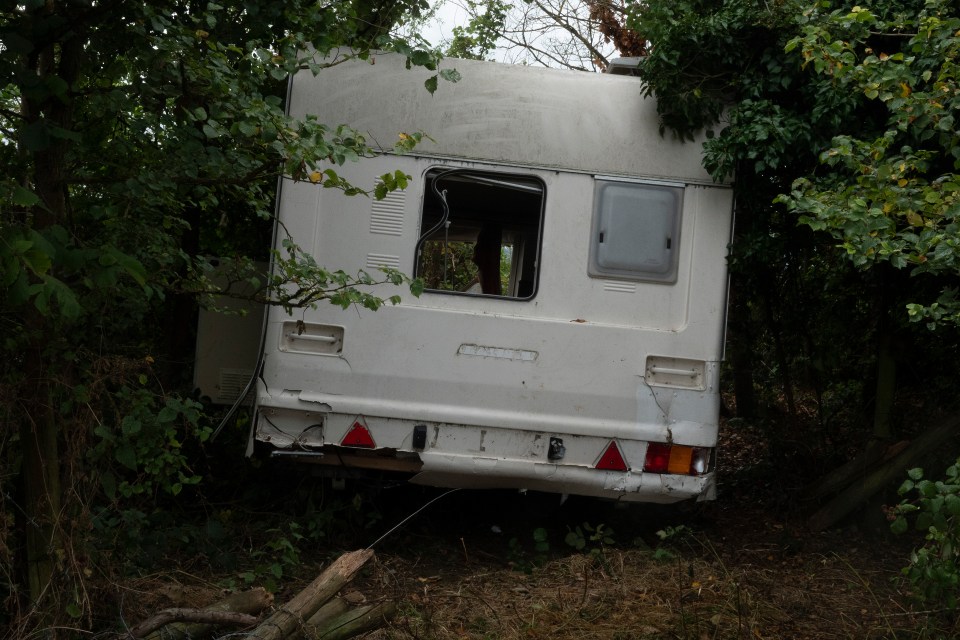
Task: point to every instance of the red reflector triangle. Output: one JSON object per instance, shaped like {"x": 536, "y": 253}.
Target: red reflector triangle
{"x": 358, "y": 436}
{"x": 612, "y": 459}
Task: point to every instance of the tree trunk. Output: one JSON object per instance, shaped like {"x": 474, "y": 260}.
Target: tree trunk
{"x": 40, "y": 476}
{"x": 886, "y": 383}
{"x": 39, "y": 428}
{"x": 291, "y": 616}
{"x": 857, "y": 494}
{"x": 875, "y": 453}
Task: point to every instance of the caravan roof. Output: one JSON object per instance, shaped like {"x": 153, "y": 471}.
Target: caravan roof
{"x": 505, "y": 114}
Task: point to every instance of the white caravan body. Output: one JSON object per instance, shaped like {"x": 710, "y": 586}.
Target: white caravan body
{"x": 591, "y": 368}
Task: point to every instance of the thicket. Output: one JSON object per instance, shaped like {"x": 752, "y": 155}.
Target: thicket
{"x": 137, "y": 142}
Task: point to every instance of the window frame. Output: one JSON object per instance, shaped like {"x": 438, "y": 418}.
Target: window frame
{"x": 532, "y": 238}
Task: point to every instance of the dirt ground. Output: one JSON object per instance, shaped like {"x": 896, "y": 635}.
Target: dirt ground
{"x": 500, "y": 565}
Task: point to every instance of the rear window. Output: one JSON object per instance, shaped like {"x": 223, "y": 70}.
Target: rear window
{"x": 480, "y": 233}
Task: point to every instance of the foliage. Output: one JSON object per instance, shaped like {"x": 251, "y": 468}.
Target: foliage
{"x": 142, "y": 452}
{"x": 935, "y": 506}
{"x": 670, "y": 535}
{"x": 478, "y": 39}
{"x": 136, "y": 140}
{"x": 891, "y": 194}
{"x": 447, "y": 265}
{"x": 519, "y": 556}
{"x": 592, "y": 540}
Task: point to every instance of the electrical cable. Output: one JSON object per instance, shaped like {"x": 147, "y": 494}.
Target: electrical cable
{"x": 404, "y": 521}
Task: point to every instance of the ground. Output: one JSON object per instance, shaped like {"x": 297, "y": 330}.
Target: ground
{"x": 501, "y": 565}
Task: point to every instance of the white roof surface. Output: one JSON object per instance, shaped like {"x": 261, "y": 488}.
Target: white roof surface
{"x": 502, "y": 113}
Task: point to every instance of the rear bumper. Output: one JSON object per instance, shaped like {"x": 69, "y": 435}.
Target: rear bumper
{"x": 489, "y": 457}
{"x": 471, "y": 472}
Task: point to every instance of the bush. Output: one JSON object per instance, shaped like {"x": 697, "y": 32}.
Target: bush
{"x": 933, "y": 568}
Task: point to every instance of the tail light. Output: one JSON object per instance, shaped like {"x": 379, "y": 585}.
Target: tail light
{"x": 678, "y": 459}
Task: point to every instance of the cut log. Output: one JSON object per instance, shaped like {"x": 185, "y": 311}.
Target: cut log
{"x": 858, "y": 493}
{"x": 237, "y": 609}
{"x": 876, "y": 452}
{"x": 301, "y": 607}
{"x": 349, "y": 623}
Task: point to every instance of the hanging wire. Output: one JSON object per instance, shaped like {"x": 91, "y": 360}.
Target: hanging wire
{"x": 405, "y": 520}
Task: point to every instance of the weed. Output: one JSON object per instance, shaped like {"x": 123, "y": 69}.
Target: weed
{"x": 591, "y": 539}
{"x": 669, "y": 535}
{"x": 933, "y": 568}
{"x": 519, "y": 557}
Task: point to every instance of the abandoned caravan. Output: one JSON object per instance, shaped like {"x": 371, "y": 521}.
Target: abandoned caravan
{"x": 570, "y": 334}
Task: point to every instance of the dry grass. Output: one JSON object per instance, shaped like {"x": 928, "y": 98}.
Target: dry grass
{"x": 732, "y": 575}
{"x": 743, "y": 567}
{"x": 752, "y": 590}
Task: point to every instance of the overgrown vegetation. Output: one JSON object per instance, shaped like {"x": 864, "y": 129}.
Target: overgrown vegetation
{"x": 934, "y": 506}
{"x": 138, "y": 140}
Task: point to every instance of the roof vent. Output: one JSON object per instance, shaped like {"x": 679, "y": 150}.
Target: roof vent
{"x": 624, "y": 66}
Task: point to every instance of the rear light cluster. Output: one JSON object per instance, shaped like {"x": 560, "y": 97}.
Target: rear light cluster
{"x": 675, "y": 458}
{"x": 661, "y": 458}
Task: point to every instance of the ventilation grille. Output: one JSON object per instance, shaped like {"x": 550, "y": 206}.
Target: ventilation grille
{"x": 377, "y": 260}
{"x": 386, "y": 216}
{"x": 232, "y": 384}
{"x": 620, "y": 287}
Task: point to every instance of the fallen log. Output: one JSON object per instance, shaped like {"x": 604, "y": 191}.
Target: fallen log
{"x": 876, "y": 452}
{"x": 290, "y": 617}
{"x": 180, "y": 614}
{"x": 858, "y": 493}
{"x": 237, "y": 609}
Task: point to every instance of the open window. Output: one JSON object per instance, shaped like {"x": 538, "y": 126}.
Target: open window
{"x": 480, "y": 233}
{"x": 636, "y": 231}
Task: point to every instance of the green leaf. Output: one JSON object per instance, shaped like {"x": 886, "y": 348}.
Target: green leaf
{"x": 109, "y": 483}
{"x": 431, "y": 84}
{"x": 130, "y": 426}
{"x": 167, "y": 414}
{"x": 68, "y": 304}
{"x": 899, "y": 526}
{"x": 126, "y": 456}
{"x": 450, "y": 75}
{"x": 24, "y": 197}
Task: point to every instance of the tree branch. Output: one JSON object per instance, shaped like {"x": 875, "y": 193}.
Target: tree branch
{"x": 167, "y": 616}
